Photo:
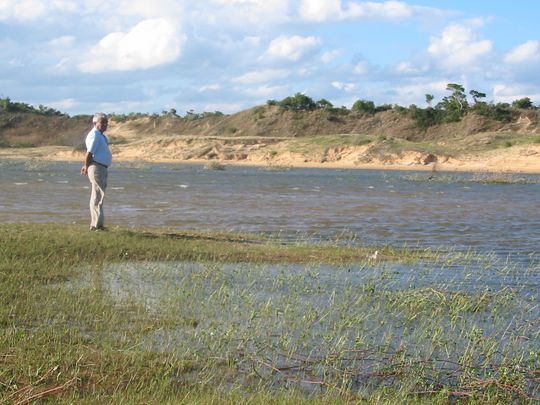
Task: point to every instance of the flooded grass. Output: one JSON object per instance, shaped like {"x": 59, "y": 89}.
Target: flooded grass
{"x": 184, "y": 317}
{"x": 479, "y": 178}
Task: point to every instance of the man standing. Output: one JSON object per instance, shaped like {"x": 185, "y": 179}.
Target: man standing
{"x": 98, "y": 159}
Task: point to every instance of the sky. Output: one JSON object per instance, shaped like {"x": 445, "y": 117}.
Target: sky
{"x": 123, "y": 56}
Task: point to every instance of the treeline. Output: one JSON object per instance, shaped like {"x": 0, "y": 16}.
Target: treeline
{"x": 451, "y": 108}
{"x": 8, "y": 106}
{"x": 189, "y": 115}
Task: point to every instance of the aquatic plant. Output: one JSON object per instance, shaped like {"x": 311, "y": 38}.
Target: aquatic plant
{"x": 214, "y": 165}
{"x": 141, "y": 316}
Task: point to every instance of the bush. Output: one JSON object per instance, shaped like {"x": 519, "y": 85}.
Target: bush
{"x": 500, "y": 111}
{"x": 6, "y": 105}
{"x": 383, "y": 107}
{"x": 364, "y": 106}
{"x": 323, "y": 103}
{"x": 523, "y": 103}
{"x": 298, "y": 102}
{"x": 428, "y": 117}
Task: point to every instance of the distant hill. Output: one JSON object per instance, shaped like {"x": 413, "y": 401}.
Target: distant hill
{"x": 31, "y": 129}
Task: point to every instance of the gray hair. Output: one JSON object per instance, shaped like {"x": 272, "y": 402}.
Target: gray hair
{"x": 98, "y": 117}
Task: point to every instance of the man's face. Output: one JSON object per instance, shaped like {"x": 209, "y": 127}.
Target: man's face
{"x": 102, "y": 125}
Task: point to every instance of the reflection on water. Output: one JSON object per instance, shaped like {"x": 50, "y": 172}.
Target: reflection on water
{"x": 373, "y": 206}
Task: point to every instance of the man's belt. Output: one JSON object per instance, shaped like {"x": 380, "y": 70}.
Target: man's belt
{"x": 99, "y": 164}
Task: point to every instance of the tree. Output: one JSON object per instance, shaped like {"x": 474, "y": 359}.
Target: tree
{"x": 364, "y": 106}
{"x": 455, "y": 105}
{"x": 323, "y": 103}
{"x": 524, "y": 102}
{"x": 477, "y": 95}
{"x": 298, "y": 102}
{"x": 458, "y": 95}
{"x": 5, "y": 104}
{"x": 429, "y": 99}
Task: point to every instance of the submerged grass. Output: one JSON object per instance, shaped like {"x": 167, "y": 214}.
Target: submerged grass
{"x": 159, "y": 317}
{"x": 480, "y": 178}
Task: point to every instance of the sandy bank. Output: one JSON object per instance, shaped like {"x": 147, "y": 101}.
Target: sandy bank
{"x": 516, "y": 159}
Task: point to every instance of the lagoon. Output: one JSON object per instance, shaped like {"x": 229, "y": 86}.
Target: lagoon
{"x": 352, "y": 206}
{"x": 455, "y": 319}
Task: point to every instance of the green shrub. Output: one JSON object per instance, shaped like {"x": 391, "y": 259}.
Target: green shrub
{"x": 298, "y": 102}
{"x": 24, "y": 145}
{"x": 523, "y": 103}
{"x": 258, "y": 112}
{"x": 500, "y": 111}
{"x": 428, "y": 117}
{"x": 364, "y": 106}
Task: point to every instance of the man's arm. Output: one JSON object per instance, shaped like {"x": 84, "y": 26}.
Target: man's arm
{"x": 87, "y": 160}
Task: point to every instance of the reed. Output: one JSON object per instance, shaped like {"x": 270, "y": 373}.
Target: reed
{"x": 184, "y": 317}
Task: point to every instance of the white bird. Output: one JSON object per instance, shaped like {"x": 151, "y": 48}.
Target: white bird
{"x": 374, "y": 255}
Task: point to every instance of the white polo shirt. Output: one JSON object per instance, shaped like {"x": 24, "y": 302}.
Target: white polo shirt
{"x": 98, "y": 145}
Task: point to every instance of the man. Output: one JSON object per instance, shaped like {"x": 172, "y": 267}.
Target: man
{"x": 98, "y": 159}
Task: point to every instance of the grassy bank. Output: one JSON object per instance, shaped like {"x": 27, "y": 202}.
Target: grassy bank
{"x": 152, "y": 317}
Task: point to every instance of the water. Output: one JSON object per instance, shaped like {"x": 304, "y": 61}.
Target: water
{"x": 356, "y": 206}
{"x": 296, "y": 323}
{"x": 295, "y": 318}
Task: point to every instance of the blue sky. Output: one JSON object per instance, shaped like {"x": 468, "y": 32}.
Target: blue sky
{"x": 228, "y": 55}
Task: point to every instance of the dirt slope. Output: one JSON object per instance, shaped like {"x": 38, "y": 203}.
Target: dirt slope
{"x": 268, "y": 135}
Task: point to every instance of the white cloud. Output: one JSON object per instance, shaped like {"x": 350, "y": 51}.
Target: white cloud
{"x": 361, "y": 68}
{"x": 507, "y": 93}
{"x": 386, "y": 10}
{"x": 338, "y": 10}
{"x": 63, "y": 105}
{"x": 459, "y": 47}
{"x": 329, "y": 56}
{"x": 15, "y": 62}
{"x": 150, "y": 9}
{"x": 63, "y": 42}
{"x": 260, "y": 76}
{"x": 224, "y": 107}
{"x": 527, "y": 52}
{"x": 150, "y": 43}
{"x": 264, "y": 91}
{"x": 242, "y": 12}
{"x": 293, "y": 48}
{"x": 209, "y": 87}
{"x": 347, "y": 87}
{"x": 408, "y": 68}
{"x": 65, "y": 5}
{"x": 416, "y": 93}
{"x": 321, "y": 10}
{"x": 22, "y": 10}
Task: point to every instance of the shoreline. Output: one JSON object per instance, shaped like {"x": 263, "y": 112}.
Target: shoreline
{"x": 499, "y": 164}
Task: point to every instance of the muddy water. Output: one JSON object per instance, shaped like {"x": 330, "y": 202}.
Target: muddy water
{"x": 374, "y": 207}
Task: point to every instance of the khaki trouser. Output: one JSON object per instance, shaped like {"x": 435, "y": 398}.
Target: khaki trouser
{"x": 98, "y": 179}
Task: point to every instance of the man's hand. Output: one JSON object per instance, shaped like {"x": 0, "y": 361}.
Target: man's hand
{"x": 87, "y": 161}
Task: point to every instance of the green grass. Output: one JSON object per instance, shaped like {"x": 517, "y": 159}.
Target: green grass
{"x": 148, "y": 316}
{"x": 382, "y": 145}
{"x": 320, "y": 143}
{"x": 482, "y": 178}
